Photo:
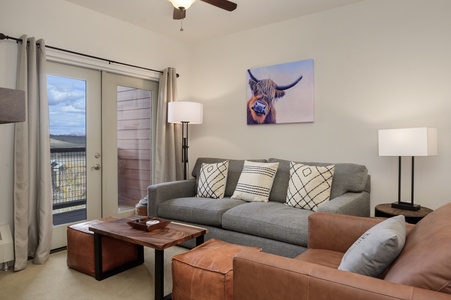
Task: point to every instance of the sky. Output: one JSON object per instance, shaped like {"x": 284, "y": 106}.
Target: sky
{"x": 67, "y": 105}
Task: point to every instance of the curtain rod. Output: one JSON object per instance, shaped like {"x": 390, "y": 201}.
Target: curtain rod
{"x": 3, "y": 37}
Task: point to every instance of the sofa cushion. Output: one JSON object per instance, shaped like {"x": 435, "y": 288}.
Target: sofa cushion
{"x": 327, "y": 258}
{"x": 348, "y": 177}
{"x": 270, "y": 220}
{"x": 425, "y": 261}
{"x": 206, "y": 211}
{"x": 255, "y": 181}
{"x": 233, "y": 174}
{"x": 212, "y": 180}
{"x": 309, "y": 186}
{"x": 376, "y": 249}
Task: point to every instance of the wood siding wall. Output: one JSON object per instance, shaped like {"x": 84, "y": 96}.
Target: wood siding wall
{"x": 134, "y": 144}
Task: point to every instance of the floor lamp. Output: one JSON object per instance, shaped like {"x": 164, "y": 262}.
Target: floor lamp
{"x": 407, "y": 142}
{"x": 185, "y": 113}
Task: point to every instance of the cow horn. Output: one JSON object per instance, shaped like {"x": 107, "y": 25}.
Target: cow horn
{"x": 279, "y": 87}
{"x": 286, "y": 87}
{"x": 252, "y": 76}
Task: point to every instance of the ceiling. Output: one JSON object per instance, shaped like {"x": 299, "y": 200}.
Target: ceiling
{"x": 204, "y": 21}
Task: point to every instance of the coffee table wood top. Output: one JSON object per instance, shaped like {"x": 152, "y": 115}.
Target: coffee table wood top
{"x": 173, "y": 234}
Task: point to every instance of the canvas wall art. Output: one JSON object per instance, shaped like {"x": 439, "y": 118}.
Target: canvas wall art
{"x": 280, "y": 93}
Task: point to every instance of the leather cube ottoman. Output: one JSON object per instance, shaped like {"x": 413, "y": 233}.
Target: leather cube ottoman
{"x": 205, "y": 272}
{"x": 80, "y": 249}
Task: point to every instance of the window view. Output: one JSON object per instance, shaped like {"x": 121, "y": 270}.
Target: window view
{"x": 134, "y": 145}
{"x": 67, "y": 113}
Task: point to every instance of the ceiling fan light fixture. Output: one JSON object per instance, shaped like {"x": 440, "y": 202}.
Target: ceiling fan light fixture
{"x": 185, "y": 4}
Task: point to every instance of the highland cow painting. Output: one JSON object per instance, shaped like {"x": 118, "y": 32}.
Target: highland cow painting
{"x": 280, "y": 93}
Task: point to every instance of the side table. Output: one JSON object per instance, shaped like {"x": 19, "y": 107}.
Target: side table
{"x": 386, "y": 211}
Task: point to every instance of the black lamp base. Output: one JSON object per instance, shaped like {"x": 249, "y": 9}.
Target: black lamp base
{"x": 406, "y": 206}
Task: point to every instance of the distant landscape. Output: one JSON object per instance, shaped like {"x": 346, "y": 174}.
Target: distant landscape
{"x": 67, "y": 141}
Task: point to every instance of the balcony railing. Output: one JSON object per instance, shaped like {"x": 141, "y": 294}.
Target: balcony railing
{"x": 68, "y": 167}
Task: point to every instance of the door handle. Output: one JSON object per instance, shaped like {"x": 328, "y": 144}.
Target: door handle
{"x": 96, "y": 167}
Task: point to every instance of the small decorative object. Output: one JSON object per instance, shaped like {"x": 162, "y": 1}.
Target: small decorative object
{"x": 149, "y": 223}
{"x": 287, "y": 88}
{"x": 407, "y": 142}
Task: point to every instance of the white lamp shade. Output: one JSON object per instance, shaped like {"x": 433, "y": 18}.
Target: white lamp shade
{"x": 181, "y": 111}
{"x": 408, "y": 142}
{"x": 182, "y": 3}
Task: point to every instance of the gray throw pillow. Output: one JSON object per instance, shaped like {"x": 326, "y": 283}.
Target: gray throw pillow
{"x": 376, "y": 249}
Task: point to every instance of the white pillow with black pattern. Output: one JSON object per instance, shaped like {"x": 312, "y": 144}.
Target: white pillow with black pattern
{"x": 309, "y": 186}
{"x": 255, "y": 181}
{"x": 212, "y": 180}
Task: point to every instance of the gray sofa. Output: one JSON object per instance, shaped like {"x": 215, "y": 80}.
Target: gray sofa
{"x": 273, "y": 226}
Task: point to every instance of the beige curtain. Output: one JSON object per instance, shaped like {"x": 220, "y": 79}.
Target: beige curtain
{"x": 32, "y": 177}
{"x": 168, "y": 156}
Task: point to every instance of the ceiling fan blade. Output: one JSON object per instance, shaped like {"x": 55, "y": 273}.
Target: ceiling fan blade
{"x": 224, "y": 4}
{"x": 179, "y": 14}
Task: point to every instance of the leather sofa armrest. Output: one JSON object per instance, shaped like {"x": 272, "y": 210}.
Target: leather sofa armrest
{"x": 157, "y": 193}
{"x": 263, "y": 276}
{"x": 336, "y": 232}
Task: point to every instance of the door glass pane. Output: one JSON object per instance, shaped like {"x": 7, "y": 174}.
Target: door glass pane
{"x": 67, "y": 112}
{"x": 134, "y": 145}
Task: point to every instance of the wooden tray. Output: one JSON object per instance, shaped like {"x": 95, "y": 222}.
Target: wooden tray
{"x": 141, "y": 223}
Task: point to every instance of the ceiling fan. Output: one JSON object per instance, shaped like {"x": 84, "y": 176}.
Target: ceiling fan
{"x": 180, "y": 6}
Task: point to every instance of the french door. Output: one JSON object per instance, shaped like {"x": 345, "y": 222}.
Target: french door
{"x": 101, "y": 132}
{"x": 128, "y": 111}
{"x": 75, "y": 141}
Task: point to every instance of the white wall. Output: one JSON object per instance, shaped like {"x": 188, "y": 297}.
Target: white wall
{"x": 65, "y": 25}
{"x": 379, "y": 64}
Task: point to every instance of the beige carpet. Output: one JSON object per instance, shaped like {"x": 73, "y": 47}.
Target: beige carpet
{"x": 54, "y": 280}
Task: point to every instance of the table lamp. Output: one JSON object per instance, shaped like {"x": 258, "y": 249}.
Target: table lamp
{"x": 186, "y": 113}
{"x": 407, "y": 142}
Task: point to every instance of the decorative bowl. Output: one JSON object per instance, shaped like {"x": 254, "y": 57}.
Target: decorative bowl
{"x": 141, "y": 223}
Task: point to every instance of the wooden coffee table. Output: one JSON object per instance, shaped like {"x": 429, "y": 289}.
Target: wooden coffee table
{"x": 171, "y": 235}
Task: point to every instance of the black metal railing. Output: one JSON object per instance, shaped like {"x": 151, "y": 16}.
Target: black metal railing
{"x": 68, "y": 167}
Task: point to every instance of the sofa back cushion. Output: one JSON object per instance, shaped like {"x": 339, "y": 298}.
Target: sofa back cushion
{"x": 347, "y": 178}
{"x": 234, "y": 172}
{"x": 425, "y": 261}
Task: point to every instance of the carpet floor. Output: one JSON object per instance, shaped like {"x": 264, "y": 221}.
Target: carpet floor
{"x": 54, "y": 280}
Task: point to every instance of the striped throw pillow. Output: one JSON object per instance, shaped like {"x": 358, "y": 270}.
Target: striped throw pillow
{"x": 255, "y": 182}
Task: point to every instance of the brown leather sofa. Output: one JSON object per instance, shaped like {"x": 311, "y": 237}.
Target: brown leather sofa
{"x": 422, "y": 271}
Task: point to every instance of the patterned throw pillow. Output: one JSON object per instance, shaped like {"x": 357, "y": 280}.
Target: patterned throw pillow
{"x": 255, "y": 181}
{"x": 212, "y": 180}
{"x": 309, "y": 186}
